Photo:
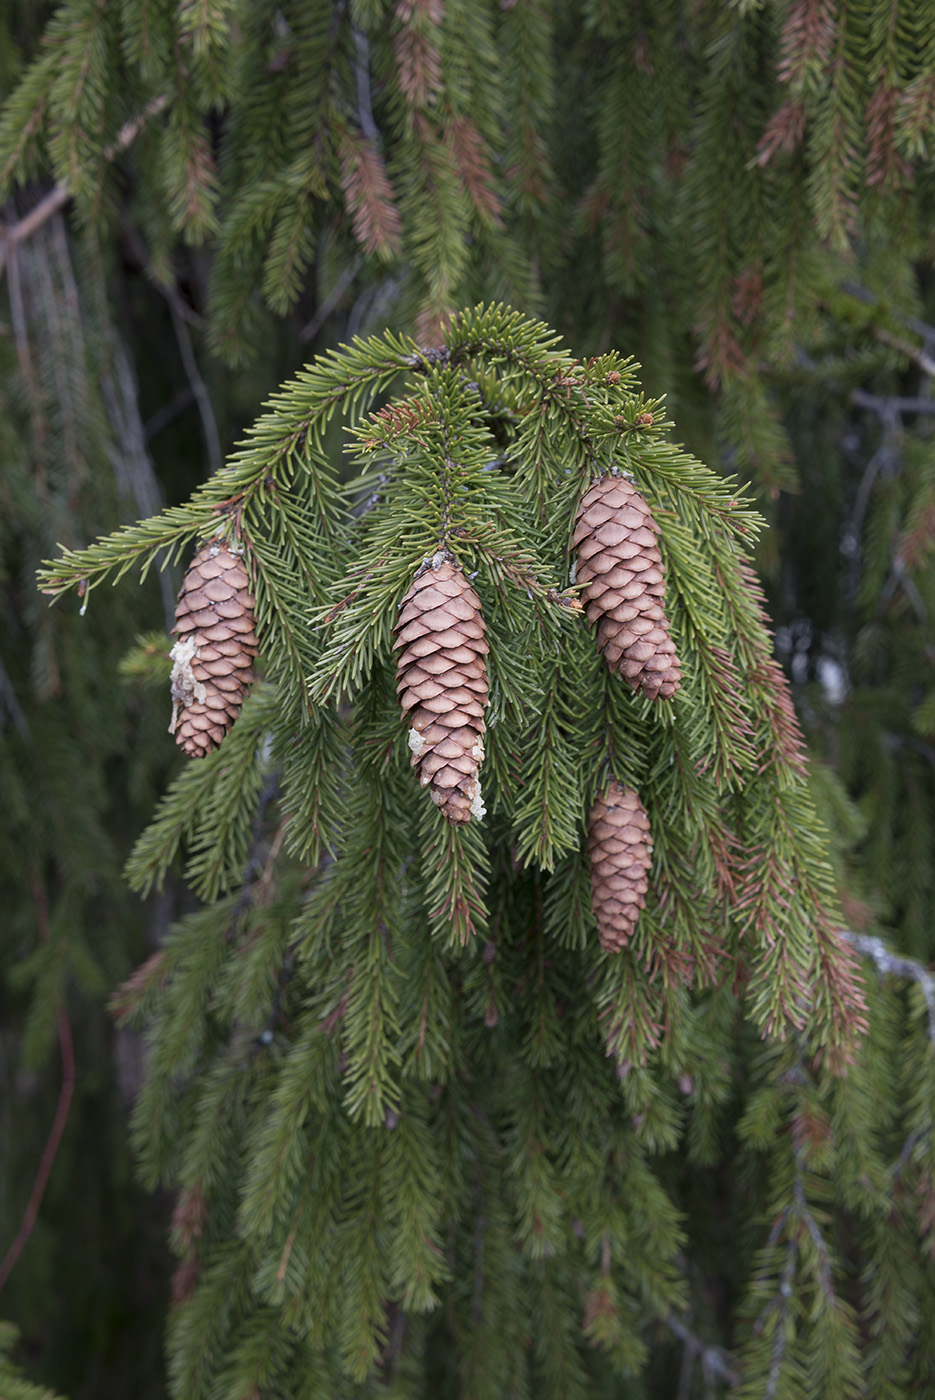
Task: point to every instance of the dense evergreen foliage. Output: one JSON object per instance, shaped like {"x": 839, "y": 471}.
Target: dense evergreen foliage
{"x": 421, "y": 1136}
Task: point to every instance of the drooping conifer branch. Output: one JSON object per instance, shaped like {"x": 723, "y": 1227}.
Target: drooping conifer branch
{"x": 392, "y": 1026}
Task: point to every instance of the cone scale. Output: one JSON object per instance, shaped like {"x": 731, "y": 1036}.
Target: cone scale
{"x": 442, "y": 685}
{"x": 619, "y": 562}
{"x": 213, "y": 657}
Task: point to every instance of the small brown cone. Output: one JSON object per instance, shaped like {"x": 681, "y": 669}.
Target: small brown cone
{"x": 619, "y": 561}
{"x": 620, "y": 850}
{"x": 214, "y": 654}
{"x": 442, "y": 685}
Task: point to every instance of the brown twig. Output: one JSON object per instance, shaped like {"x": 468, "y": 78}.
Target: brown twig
{"x": 66, "y": 1093}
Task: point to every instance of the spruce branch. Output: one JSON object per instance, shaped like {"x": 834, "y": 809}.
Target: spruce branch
{"x": 275, "y": 608}
{"x": 454, "y": 863}
{"x": 281, "y": 443}
{"x": 127, "y": 1000}
{"x": 166, "y": 534}
{"x": 311, "y": 1232}
{"x": 370, "y": 197}
{"x": 480, "y": 458}
{"x": 822, "y": 1326}
{"x": 13, "y": 234}
{"x": 591, "y": 430}
{"x": 506, "y": 561}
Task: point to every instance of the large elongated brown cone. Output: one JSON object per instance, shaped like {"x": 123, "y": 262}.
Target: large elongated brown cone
{"x": 214, "y": 654}
{"x": 619, "y": 561}
{"x": 620, "y": 849}
{"x": 442, "y": 685}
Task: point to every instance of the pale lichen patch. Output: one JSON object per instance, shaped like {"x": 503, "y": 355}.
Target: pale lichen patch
{"x": 478, "y": 810}
{"x": 185, "y": 687}
{"x": 416, "y": 742}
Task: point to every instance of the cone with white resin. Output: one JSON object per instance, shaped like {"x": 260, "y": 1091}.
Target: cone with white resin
{"x": 213, "y": 657}
{"x": 442, "y": 685}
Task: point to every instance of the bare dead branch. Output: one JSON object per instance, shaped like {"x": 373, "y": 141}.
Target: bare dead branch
{"x": 199, "y": 389}
{"x": 130, "y": 457}
{"x": 912, "y": 323}
{"x": 11, "y": 705}
{"x": 714, "y": 1360}
{"x": 782, "y": 1303}
{"x": 887, "y": 406}
{"x": 890, "y": 964}
{"x": 364, "y": 102}
{"x": 325, "y": 308}
{"x": 818, "y": 1240}
{"x": 904, "y": 347}
{"x": 168, "y": 413}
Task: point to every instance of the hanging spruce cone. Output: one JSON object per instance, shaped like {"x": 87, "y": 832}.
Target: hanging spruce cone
{"x": 213, "y": 656}
{"x": 619, "y": 561}
{"x": 442, "y": 685}
{"x": 620, "y": 849}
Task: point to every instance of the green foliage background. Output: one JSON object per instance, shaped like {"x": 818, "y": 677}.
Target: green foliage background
{"x": 740, "y": 197}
